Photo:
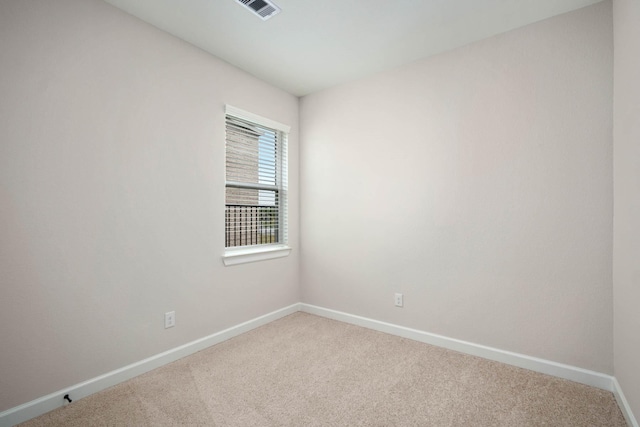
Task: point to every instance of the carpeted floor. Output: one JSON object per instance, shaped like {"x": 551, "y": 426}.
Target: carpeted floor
{"x": 305, "y": 370}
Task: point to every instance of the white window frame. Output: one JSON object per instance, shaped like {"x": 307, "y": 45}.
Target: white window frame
{"x": 245, "y": 254}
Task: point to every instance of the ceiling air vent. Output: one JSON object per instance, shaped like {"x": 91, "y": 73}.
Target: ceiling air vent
{"x": 265, "y": 9}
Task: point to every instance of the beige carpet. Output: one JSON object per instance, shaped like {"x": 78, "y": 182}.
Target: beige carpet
{"x": 305, "y": 370}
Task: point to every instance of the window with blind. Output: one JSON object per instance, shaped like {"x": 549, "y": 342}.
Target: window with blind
{"x": 256, "y": 182}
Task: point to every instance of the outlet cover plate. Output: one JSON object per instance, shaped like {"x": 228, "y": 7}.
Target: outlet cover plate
{"x": 169, "y": 319}
{"x": 399, "y": 300}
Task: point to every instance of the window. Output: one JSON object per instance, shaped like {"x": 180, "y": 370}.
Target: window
{"x": 256, "y": 188}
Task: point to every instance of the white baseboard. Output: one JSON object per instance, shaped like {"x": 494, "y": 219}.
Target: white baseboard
{"x": 583, "y": 376}
{"x": 52, "y": 401}
{"x": 623, "y": 404}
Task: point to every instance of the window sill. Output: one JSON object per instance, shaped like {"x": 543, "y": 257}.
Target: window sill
{"x": 243, "y": 256}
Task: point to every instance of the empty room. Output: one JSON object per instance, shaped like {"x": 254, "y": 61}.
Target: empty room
{"x": 297, "y": 212}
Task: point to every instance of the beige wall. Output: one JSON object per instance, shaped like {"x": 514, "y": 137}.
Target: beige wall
{"x": 626, "y": 178}
{"x": 479, "y": 184}
{"x": 112, "y": 195}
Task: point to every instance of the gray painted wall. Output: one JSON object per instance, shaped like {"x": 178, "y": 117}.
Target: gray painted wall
{"x": 112, "y": 190}
{"x": 626, "y": 178}
{"x": 478, "y": 183}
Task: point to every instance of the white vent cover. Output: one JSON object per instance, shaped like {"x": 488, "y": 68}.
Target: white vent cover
{"x": 265, "y": 9}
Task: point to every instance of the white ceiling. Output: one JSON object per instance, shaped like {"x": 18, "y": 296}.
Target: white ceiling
{"x": 315, "y": 44}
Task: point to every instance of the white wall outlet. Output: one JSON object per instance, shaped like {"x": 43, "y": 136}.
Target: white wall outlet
{"x": 399, "y": 300}
{"x": 169, "y": 319}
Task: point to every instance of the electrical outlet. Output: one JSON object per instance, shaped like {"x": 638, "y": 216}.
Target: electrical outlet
{"x": 169, "y": 319}
{"x": 399, "y": 300}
